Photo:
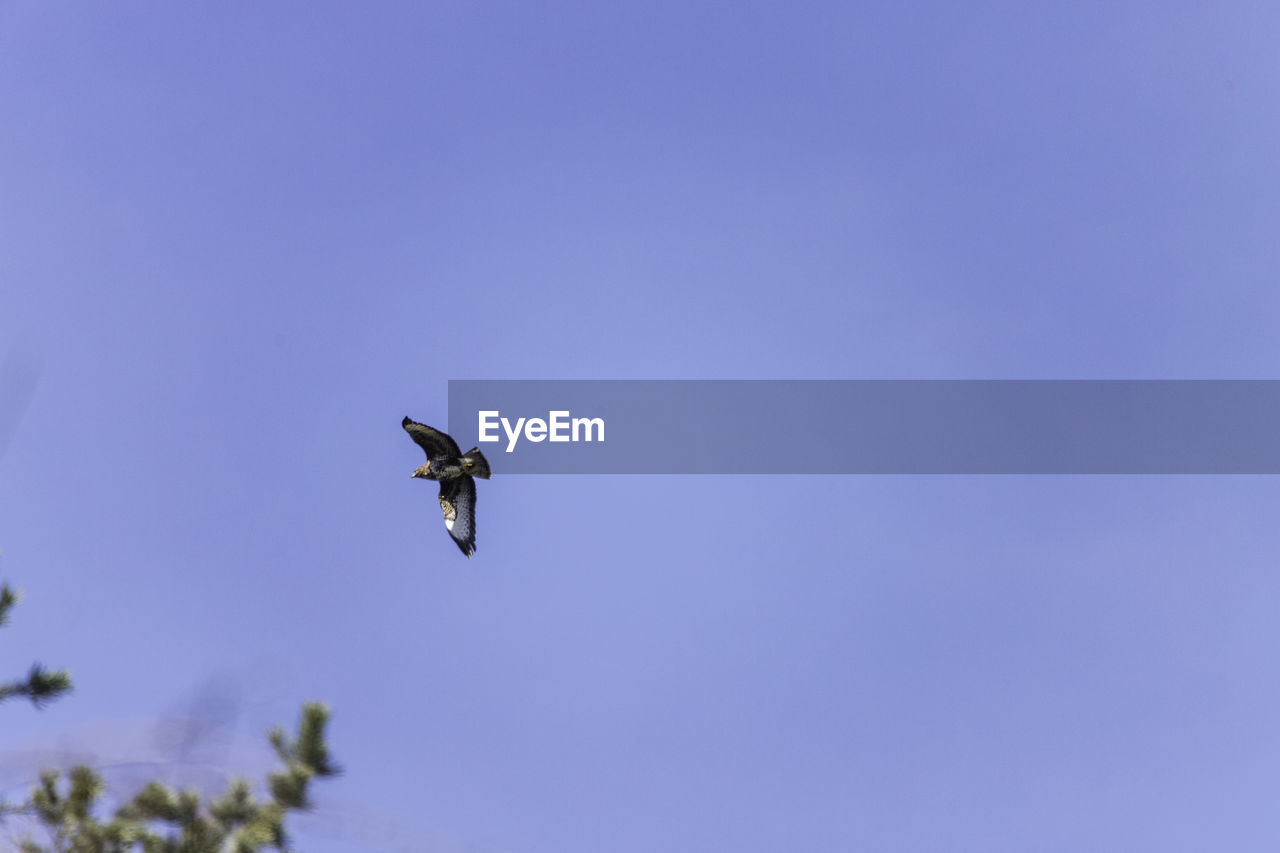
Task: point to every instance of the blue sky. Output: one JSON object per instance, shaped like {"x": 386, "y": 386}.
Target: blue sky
{"x": 241, "y": 242}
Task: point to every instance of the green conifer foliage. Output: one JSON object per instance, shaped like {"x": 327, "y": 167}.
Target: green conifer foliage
{"x": 40, "y": 685}
{"x": 64, "y": 808}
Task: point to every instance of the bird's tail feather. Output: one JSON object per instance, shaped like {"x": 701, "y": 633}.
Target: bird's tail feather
{"x": 475, "y": 463}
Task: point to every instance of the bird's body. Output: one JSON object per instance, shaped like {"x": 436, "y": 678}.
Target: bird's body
{"x": 441, "y": 469}
{"x": 455, "y": 471}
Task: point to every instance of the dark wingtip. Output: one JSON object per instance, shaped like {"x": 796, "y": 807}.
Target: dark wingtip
{"x": 406, "y": 422}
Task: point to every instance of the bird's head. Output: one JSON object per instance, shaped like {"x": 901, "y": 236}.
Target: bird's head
{"x": 423, "y": 472}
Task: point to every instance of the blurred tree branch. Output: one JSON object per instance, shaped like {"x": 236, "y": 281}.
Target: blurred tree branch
{"x": 158, "y": 818}
{"x": 40, "y": 685}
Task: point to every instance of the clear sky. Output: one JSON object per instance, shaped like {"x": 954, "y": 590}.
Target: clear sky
{"x": 239, "y": 242}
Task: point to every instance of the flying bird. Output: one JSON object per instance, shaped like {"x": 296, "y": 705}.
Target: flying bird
{"x": 455, "y": 472}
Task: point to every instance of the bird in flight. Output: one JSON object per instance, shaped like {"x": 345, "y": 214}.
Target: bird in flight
{"x": 455, "y": 471}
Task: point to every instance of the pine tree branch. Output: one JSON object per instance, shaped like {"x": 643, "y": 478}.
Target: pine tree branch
{"x": 40, "y": 686}
{"x": 8, "y": 598}
{"x": 237, "y": 821}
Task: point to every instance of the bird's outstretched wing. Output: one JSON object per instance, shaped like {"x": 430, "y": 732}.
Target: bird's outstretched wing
{"x": 458, "y": 501}
{"x": 433, "y": 441}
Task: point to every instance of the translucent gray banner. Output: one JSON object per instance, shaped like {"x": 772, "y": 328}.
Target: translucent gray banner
{"x": 870, "y": 426}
